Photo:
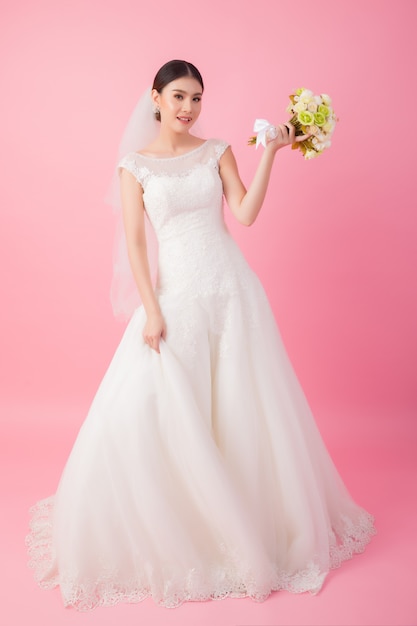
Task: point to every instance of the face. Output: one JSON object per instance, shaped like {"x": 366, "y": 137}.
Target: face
{"x": 179, "y": 103}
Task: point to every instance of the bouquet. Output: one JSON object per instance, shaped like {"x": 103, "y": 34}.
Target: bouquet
{"x": 311, "y": 115}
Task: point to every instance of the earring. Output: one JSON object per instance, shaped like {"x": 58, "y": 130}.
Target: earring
{"x": 156, "y": 109}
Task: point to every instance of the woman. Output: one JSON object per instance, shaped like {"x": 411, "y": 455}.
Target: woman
{"x": 199, "y": 472}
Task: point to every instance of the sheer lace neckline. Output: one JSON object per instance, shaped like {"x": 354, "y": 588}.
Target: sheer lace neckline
{"x": 179, "y": 156}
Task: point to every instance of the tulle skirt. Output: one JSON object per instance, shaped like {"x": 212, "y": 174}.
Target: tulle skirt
{"x": 199, "y": 473}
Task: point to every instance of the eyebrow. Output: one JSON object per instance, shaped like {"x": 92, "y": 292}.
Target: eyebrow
{"x": 199, "y": 93}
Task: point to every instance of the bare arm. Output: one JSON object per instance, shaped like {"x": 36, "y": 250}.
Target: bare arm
{"x": 246, "y": 204}
{"x": 134, "y": 224}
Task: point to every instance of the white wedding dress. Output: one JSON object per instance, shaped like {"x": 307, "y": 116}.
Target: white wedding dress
{"x": 199, "y": 473}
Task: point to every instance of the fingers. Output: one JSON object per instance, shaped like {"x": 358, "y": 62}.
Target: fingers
{"x": 282, "y": 134}
{"x": 154, "y": 330}
{"x": 291, "y": 132}
{"x": 285, "y": 134}
{"x": 152, "y": 341}
{"x": 301, "y": 138}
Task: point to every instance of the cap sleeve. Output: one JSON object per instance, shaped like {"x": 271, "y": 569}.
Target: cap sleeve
{"x": 130, "y": 163}
{"x": 220, "y": 147}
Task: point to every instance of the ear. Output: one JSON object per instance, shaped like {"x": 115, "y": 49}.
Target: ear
{"x": 155, "y": 97}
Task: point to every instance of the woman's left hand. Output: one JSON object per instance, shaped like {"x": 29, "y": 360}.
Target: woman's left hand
{"x": 285, "y": 137}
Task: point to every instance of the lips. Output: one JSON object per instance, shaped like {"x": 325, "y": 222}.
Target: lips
{"x": 184, "y": 120}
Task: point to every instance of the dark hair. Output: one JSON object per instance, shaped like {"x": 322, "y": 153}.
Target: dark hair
{"x": 171, "y": 71}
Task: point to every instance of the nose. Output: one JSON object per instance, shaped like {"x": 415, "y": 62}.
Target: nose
{"x": 186, "y": 105}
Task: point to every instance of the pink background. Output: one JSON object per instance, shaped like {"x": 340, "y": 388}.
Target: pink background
{"x": 335, "y": 244}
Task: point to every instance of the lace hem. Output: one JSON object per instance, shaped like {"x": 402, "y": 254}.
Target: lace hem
{"x": 351, "y": 538}
{"x": 39, "y": 543}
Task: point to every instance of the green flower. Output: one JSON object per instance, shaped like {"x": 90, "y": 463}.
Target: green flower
{"x": 323, "y": 109}
{"x": 306, "y": 118}
{"x": 319, "y": 119}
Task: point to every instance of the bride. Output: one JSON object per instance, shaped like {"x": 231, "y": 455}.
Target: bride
{"x": 199, "y": 471}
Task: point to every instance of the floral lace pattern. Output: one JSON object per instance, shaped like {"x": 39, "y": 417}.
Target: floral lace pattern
{"x": 200, "y": 585}
{"x": 229, "y": 581}
{"x": 183, "y": 197}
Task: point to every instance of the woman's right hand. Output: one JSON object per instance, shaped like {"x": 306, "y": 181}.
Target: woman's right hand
{"x": 284, "y": 136}
{"x": 154, "y": 330}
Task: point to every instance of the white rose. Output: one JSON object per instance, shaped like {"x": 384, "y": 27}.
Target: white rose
{"x": 312, "y": 107}
{"x": 300, "y": 106}
{"x": 306, "y": 93}
{"x": 313, "y": 129}
{"x": 326, "y": 99}
{"x": 310, "y": 154}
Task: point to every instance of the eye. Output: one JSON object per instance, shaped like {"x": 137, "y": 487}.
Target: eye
{"x": 178, "y": 96}
{"x": 197, "y": 99}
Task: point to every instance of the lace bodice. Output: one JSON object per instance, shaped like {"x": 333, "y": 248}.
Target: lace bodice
{"x": 183, "y": 197}
{"x": 181, "y": 191}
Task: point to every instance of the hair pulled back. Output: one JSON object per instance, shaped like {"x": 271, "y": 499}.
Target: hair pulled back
{"x": 172, "y": 71}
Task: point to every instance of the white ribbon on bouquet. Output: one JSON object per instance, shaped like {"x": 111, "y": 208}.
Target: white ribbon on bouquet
{"x": 265, "y": 130}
